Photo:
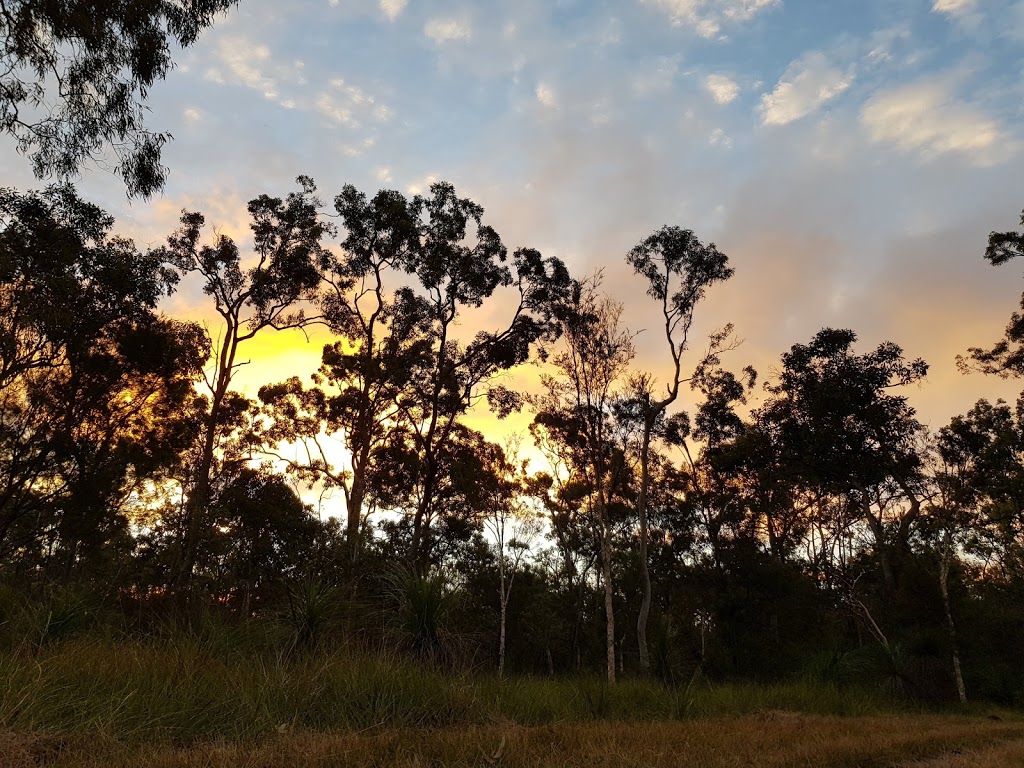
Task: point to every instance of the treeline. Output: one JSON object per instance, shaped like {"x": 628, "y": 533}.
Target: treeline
{"x": 676, "y": 530}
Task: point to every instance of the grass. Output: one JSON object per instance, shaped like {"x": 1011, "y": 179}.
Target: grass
{"x": 775, "y": 740}
{"x": 189, "y": 690}
{"x": 183, "y": 701}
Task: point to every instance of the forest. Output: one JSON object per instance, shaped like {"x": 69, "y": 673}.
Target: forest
{"x": 340, "y": 562}
{"x": 670, "y": 530}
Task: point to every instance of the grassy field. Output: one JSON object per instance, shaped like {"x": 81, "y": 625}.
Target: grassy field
{"x": 193, "y": 702}
{"x": 774, "y": 739}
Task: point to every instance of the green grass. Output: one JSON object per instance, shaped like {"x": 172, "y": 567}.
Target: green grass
{"x": 186, "y": 689}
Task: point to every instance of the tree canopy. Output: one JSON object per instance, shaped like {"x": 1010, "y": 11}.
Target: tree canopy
{"x": 76, "y": 74}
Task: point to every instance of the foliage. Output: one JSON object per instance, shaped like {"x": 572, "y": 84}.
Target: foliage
{"x": 818, "y": 536}
{"x": 76, "y": 77}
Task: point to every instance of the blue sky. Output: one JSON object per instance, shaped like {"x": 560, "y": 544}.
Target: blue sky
{"x": 849, "y": 156}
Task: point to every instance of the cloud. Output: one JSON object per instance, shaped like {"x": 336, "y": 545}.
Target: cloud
{"x": 924, "y": 117}
{"x": 444, "y": 30}
{"x": 422, "y": 185}
{"x": 392, "y": 8}
{"x": 546, "y": 96}
{"x": 723, "y": 89}
{"x": 659, "y": 79}
{"x": 719, "y": 138}
{"x": 708, "y": 16}
{"x": 343, "y": 101}
{"x": 192, "y": 115}
{"x": 246, "y": 64}
{"x": 953, "y": 7}
{"x": 807, "y": 84}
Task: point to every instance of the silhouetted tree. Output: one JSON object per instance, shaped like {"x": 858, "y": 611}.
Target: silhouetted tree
{"x": 288, "y": 262}
{"x": 76, "y": 76}
{"x": 95, "y": 387}
{"x": 370, "y": 367}
{"x": 679, "y": 269}
{"x": 1006, "y": 358}
{"x": 459, "y": 263}
{"x": 837, "y": 417}
{"x": 576, "y": 410}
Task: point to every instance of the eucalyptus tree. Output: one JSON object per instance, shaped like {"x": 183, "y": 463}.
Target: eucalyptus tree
{"x": 1006, "y": 358}
{"x": 679, "y": 269}
{"x": 981, "y": 477}
{"x": 286, "y": 267}
{"x": 369, "y": 366}
{"x": 459, "y": 263}
{"x": 576, "y": 412}
{"x": 511, "y": 522}
{"x": 95, "y": 386}
{"x": 408, "y": 272}
{"x": 76, "y": 76}
{"x": 837, "y": 416}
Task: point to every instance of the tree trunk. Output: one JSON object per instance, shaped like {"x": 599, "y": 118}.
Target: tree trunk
{"x": 418, "y": 554}
{"x": 645, "y": 574}
{"x": 503, "y": 600}
{"x": 944, "y": 586}
{"x": 881, "y": 543}
{"x": 198, "y": 498}
{"x": 501, "y": 638}
{"x": 355, "y": 513}
{"x": 606, "y": 576}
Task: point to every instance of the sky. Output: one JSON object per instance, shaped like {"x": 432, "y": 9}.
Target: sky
{"x": 850, "y": 156}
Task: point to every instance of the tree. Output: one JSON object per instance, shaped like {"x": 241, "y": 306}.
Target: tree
{"x": 370, "y": 366}
{"x": 289, "y": 258}
{"x": 577, "y": 411}
{"x": 403, "y": 376}
{"x": 679, "y": 269}
{"x": 459, "y": 263}
{"x": 835, "y": 414}
{"x": 1006, "y": 358}
{"x": 265, "y": 538}
{"x": 95, "y": 387}
{"x": 981, "y": 479}
{"x": 511, "y": 523}
{"x": 76, "y": 76}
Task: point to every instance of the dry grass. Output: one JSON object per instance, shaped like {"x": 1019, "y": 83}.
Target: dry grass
{"x": 1008, "y": 755}
{"x": 773, "y": 739}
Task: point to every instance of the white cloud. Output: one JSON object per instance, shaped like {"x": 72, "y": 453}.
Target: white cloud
{"x": 883, "y": 41}
{"x": 422, "y": 186}
{"x": 719, "y": 138}
{"x": 546, "y": 96}
{"x": 382, "y": 174}
{"x": 444, "y": 30}
{"x": 246, "y": 64}
{"x": 924, "y": 117}
{"x": 807, "y": 84}
{"x": 392, "y": 8}
{"x": 328, "y": 106}
{"x": 342, "y": 101}
{"x": 355, "y": 150}
{"x": 953, "y": 7}
{"x": 193, "y": 115}
{"x": 707, "y": 16}
{"x": 723, "y": 89}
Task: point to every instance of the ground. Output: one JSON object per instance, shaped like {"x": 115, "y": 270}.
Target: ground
{"x": 774, "y": 739}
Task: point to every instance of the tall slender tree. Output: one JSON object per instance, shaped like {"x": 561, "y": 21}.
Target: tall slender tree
{"x": 577, "y": 409}
{"x": 679, "y": 269}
